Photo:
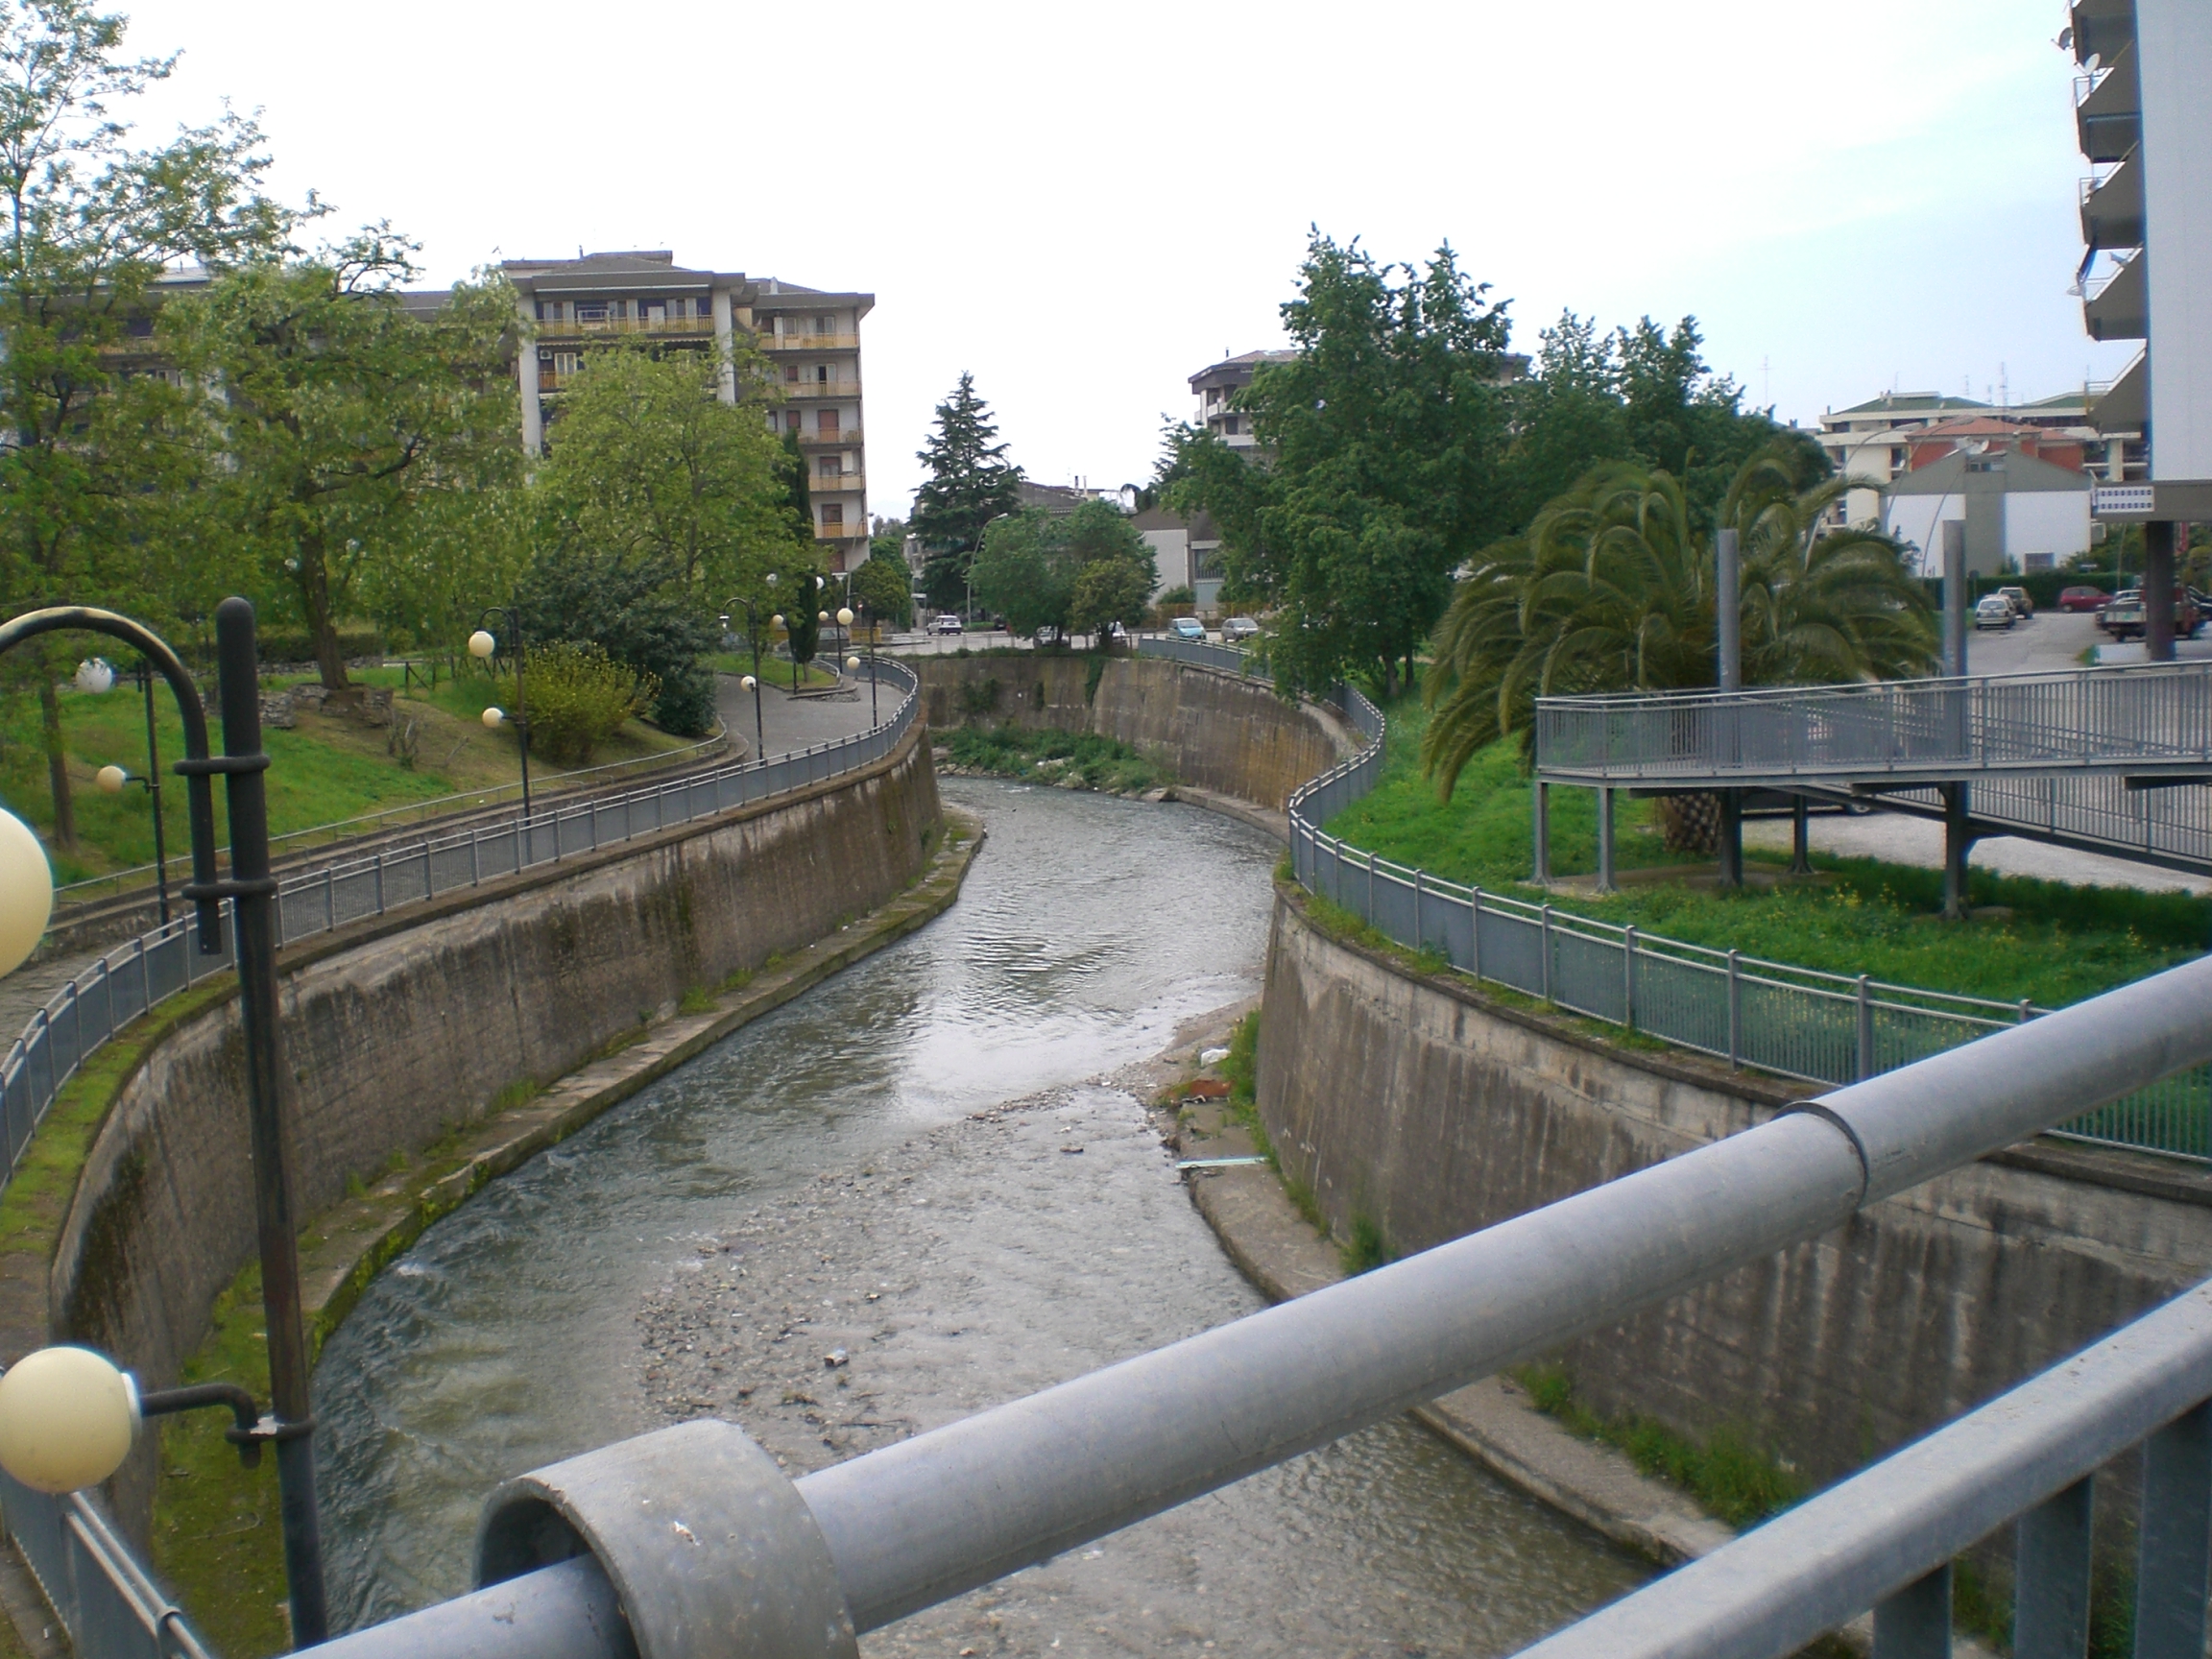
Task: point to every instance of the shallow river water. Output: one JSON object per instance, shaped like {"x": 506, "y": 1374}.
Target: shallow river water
{"x": 889, "y": 1168}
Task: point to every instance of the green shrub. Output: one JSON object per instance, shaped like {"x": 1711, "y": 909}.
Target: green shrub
{"x": 578, "y": 697}
{"x": 685, "y": 706}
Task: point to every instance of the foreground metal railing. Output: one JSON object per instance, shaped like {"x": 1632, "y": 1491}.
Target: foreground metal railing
{"x": 690, "y": 1540}
{"x": 133, "y": 977}
{"x": 2151, "y": 721}
{"x": 1886, "y": 1538}
{"x": 108, "y": 1604}
{"x": 1792, "y": 1022}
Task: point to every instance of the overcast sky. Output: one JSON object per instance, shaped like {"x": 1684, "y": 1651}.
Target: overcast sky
{"x": 1084, "y": 205}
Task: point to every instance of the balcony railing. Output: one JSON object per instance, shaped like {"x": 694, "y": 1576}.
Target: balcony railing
{"x": 844, "y": 438}
{"x": 569, "y": 327}
{"x": 836, "y": 482}
{"x": 810, "y": 342}
{"x": 822, "y": 389}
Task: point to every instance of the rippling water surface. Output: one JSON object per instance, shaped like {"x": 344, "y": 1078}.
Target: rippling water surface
{"x": 1088, "y": 930}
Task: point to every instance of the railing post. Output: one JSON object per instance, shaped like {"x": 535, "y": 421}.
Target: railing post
{"x": 2050, "y": 1583}
{"x": 1734, "y": 1009}
{"x": 1370, "y": 889}
{"x": 1547, "y": 946}
{"x": 2027, "y": 1010}
{"x": 475, "y": 859}
{"x": 1865, "y": 1030}
{"x": 1628, "y": 977}
{"x": 429, "y": 878}
{"x": 1543, "y": 817}
{"x": 1915, "y": 1623}
{"x": 379, "y": 884}
{"x": 1474, "y": 932}
{"x": 1418, "y": 941}
{"x": 2176, "y": 1534}
{"x": 330, "y": 899}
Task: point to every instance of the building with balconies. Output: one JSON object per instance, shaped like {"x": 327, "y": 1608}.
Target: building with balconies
{"x": 810, "y": 338}
{"x": 1217, "y": 386}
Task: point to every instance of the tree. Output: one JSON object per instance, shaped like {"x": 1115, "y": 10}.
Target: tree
{"x": 886, "y": 586}
{"x": 971, "y": 482}
{"x": 329, "y": 413}
{"x": 1611, "y": 589}
{"x": 635, "y": 608}
{"x": 92, "y": 221}
{"x": 649, "y": 464}
{"x": 1074, "y": 571}
{"x": 1377, "y": 470}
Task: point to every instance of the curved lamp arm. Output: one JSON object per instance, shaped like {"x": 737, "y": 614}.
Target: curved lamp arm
{"x": 194, "y": 768}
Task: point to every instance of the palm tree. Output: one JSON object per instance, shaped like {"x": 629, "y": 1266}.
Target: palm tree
{"x": 1610, "y": 589}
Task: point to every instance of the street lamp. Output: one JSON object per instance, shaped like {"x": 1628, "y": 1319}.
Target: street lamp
{"x": 482, "y": 644}
{"x": 67, "y": 1408}
{"x": 752, "y": 681}
{"x": 872, "y": 718}
{"x": 95, "y": 676}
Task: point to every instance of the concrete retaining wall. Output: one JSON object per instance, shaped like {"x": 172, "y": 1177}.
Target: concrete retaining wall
{"x": 1208, "y": 729}
{"x": 397, "y": 1029}
{"x": 1434, "y": 1112}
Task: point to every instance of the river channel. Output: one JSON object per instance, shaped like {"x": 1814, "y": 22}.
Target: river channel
{"x": 925, "y": 1165}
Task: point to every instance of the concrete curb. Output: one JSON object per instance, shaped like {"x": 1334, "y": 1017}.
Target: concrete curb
{"x": 343, "y": 1249}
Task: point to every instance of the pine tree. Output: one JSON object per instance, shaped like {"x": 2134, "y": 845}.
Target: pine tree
{"x": 970, "y": 483}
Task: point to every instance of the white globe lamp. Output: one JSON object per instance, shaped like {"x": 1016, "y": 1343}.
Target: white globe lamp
{"x": 844, "y": 616}
{"x": 748, "y": 682}
{"x": 776, "y": 620}
{"x": 495, "y": 717}
{"x": 67, "y": 1419}
{"x": 111, "y": 779}
{"x": 95, "y": 676}
{"x": 26, "y": 892}
{"x": 853, "y": 663}
{"x": 481, "y": 644}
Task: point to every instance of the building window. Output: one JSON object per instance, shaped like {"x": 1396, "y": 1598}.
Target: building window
{"x": 791, "y": 421}
{"x": 591, "y": 311}
{"x": 827, "y": 467}
{"x": 791, "y": 372}
{"x": 822, "y": 374}
{"x": 826, "y": 422}
{"x": 833, "y": 515}
{"x": 1229, "y": 426}
{"x": 824, "y": 324}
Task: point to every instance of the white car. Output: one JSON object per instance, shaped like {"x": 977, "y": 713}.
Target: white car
{"x": 1995, "y": 611}
{"x": 946, "y": 624}
{"x": 1238, "y": 629}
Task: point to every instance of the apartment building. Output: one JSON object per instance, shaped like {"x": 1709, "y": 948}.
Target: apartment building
{"x": 811, "y": 338}
{"x": 1215, "y": 386}
{"x": 1887, "y": 437}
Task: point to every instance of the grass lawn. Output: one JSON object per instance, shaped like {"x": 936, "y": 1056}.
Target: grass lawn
{"x": 774, "y": 670}
{"x": 327, "y": 768}
{"x": 2059, "y": 944}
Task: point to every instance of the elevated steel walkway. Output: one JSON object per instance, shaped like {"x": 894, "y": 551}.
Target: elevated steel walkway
{"x": 2110, "y": 760}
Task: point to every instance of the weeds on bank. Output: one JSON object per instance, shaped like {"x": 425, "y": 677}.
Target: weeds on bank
{"x": 1054, "y": 757}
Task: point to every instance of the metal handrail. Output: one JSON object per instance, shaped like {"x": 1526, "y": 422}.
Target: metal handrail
{"x": 1885, "y": 1538}
{"x": 788, "y": 1568}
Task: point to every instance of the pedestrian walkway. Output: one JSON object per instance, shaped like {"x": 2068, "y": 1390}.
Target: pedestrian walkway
{"x": 798, "y": 722}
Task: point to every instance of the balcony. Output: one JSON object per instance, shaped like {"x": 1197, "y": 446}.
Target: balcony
{"x": 796, "y": 389}
{"x": 2112, "y": 207}
{"x": 844, "y": 438}
{"x": 2124, "y": 406}
{"x": 837, "y": 484}
{"x": 809, "y": 342}
{"x": 571, "y": 328}
{"x": 2120, "y": 307}
{"x": 2109, "y": 109}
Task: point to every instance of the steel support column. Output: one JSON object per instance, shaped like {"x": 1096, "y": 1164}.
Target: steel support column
{"x": 1731, "y": 847}
{"x": 1542, "y": 832}
{"x": 1606, "y": 846}
{"x": 1800, "y": 836}
{"x": 1957, "y": 842}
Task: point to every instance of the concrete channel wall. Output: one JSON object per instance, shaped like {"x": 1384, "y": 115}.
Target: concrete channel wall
{"x": 1210, "y": 730}
{"x": 1433, "y": 1111}
{"x": 400, "y": 1028}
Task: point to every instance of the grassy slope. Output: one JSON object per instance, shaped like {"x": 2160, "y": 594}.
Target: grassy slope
{"x": 325, "y": 769}
{"x": 2059, "y": 944}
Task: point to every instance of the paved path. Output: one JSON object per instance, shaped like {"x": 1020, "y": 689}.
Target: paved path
{"x": 796, "y": 722}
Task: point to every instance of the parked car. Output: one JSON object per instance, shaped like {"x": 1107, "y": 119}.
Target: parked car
{"x": 946, "y": 624}
{"x": 2077, "y": 599}
{"x": 1186, "y": 628}
{"x": 2022, "y": 606}
{"x": 1995, "y": 611}
{"x": 1238, "y": 629}
{"x": 2124, "y": 617}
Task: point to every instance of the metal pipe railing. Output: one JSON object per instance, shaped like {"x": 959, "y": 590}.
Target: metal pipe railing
{"x": 916, "y": 1523}
{"x": 1874, "y": 1540}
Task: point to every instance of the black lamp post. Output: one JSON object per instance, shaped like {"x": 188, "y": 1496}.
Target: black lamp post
{"x": 251, "y": 891}
{"x": 481, "y": 645}
{"x": 753, "y": 680}
{"x": 870, "y": 623}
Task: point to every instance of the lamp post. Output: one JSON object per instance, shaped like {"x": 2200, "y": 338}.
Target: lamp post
{"x": 753, "y": 680}
{"x": 870, "y": 621}
{"x": 481, "y": 645}
{"x": 112, "y": 779}
{"x": 26, "y": 897}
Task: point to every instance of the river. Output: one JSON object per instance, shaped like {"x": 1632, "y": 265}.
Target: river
{"x": 888, "y": 1166}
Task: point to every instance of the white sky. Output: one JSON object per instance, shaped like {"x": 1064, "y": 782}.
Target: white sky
{"x": 1086, "y": 205}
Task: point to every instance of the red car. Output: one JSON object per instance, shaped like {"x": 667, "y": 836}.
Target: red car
{"x": 2082, "y": 599}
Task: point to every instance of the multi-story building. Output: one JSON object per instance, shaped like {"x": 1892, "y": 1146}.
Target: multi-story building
{"x": 1879, "y": 440}
{"x": 812, "y": 339}
{"x": 1215, "y": 386}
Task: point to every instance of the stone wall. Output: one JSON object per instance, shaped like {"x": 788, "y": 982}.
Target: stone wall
{"x": 1211, "y": 730}
{"x": 399, "y": 1028}
{"x": 1421, "y": 1104}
